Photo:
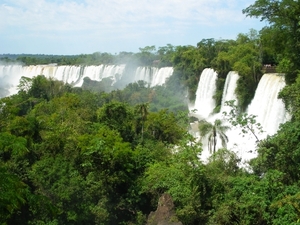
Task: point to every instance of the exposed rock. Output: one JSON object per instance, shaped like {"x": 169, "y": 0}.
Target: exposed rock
{"x": 165, "y": 213}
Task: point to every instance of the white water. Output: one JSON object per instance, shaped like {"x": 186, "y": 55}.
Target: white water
{"x": 270, "y": 112}
{"x": 8, "y": 83}
{"x": 98, "y": 73}
{"x": 161, "y": 76}
{"x": 208, "y": 85}
{"x": 152, "y": 75}
{"x": 74, "y": 74}
{"x": 11, "y": 74}
{"x": 265, "y": 105}
{"x": 204, "y": 103}
{"x": 229, "y": 90}
{"x": 269, "y": 109}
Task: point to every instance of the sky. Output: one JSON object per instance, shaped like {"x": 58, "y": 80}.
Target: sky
{"x": 72, "y": 27}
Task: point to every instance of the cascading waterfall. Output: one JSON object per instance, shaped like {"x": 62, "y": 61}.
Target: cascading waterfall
{"x": 98, "y": 73}
{"x": 270, "y": 110}
{"x": 68, "y": 74}
{"x": 161, "y": 75}
{"x": 8, "y": 82}
{"x": 74, "y": 74}
{"x": 204, "y": 103}
{"x": 152, "y": 75}
{"x": 11, "y": 74}
{"x": 229, "y": 89}
{"x": 144, "y": 73}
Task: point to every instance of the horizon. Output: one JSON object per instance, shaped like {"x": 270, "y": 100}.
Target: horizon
{"x": 66, "y": 27}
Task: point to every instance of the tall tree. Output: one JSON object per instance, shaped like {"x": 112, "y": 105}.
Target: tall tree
{"x": 284, "y": 21}
{"x": 212, "y": 132}
{"x": 164, "y": 126}
{"x": 117, "y": 116}
{"x": 142, "y": 111}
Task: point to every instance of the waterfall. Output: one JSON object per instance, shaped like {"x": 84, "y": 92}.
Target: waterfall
{"x": 11, "y": 74}
{"x": 161, "y": 76}
{"x": 270, "y": 110}
{"x": 229, "y": 89}
{"x": 144, "y": 73}
{"x": 204, "y": 103}
{"x": 67, "y": 74}
{"x": 8, "y": 83}
{"x": 152, "y": 75}
{"x": 98, "y": 73}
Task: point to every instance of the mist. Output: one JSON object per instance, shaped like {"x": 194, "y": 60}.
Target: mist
{"x": 10, "y": 74}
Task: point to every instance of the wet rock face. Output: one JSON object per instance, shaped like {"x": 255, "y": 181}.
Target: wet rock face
{"x": 165, "y": 213}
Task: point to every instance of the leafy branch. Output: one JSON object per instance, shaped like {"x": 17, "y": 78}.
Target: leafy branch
{"x": 247, "y": 123}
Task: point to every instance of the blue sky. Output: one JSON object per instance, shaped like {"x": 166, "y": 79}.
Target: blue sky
{"x": 86, "y": 26}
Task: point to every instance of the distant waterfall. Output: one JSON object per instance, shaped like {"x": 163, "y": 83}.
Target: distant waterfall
{"x": 269, "y": 109}
{"x": 8, "y": 81}
{"x": 74, "y": 74}
{"x": 98, "y": 73}
{"x": 67, "y": 74}
{"x": 161, "y": 76}
{"x": 152, "y": 75}
{"x": 204, "y": 103}
{"x": 11, "y": 74}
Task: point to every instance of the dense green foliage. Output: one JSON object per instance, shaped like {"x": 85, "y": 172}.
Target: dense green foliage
{"x": 281, "y": 37}
{"x": 71, "y": 156}
{"x": 93, "y": 155}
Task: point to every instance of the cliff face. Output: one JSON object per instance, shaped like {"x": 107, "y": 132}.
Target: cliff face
{"x": 165, "y": 213}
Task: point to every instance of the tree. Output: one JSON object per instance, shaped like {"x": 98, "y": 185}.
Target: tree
{"x": 244, "y": 57}
{"x": 246, "y": 122}
{"x": 189, "y": 63}
{"x": 117, "y": 116}
{"x": 25, "y": 84}
{"x": 13, "y": 194}
{"x": 290, "y": 95}
{"x": 164, "y": 126}
{"x": 280, "y": 152}
{"x": 42, "y": 88}
{"x": 180, "y": 175}
{"x": 166, "y": 54}
{"x": 212, "y": 132}
{"x": 142, "y": 111}
{"x": 147, "y": 55}
{"x": 284, "y": 21}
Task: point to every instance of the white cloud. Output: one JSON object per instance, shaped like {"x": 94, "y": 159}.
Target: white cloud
{"x": 112, "y": 19}
{"x": 72, "y": 15}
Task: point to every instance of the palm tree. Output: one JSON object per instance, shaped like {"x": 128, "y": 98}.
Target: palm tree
{"x": 142, "y": 110}
{"x": 212, "y": 132}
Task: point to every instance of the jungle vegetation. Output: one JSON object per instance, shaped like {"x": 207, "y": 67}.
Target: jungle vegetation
{"x": 94, "y": 156}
